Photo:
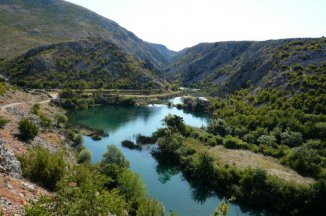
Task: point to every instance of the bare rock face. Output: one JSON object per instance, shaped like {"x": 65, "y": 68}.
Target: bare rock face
{"x": 8, "y": 162}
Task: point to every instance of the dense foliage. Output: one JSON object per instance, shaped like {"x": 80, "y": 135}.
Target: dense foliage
{"x": 42, "y": 167}
{"x": 250, "y": 186}
{"x": 85, "y": 189}
{"x": 285, "y": 125}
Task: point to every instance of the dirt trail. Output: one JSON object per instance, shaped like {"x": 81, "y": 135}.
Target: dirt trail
{"x": 53, "y": 96}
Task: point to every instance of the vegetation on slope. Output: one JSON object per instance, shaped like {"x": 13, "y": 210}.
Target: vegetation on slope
{"x": 53, "y": 21}
{"x": 101, "y": 189}
{"x": 225, "y": 67}
{"x": 92, "y": 63}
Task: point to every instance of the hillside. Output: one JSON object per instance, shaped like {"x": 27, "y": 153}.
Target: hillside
{"x": 52, "y": 21}
{"x": 91, "y": 63}
{"x": 229, "y": 66}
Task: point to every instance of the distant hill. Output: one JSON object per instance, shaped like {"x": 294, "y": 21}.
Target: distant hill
{"x": 169, "y": 54}
{"x": 229, "y": 66}
{"x": 91, "y": 63}
{"x": 26, "y": 24}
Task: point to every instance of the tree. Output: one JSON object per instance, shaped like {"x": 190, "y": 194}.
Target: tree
{"x": 218, "y": 127}
{"x": 28, "y": 130}
{"x": 175, "y": 123}
{"x": 132, "y": 187}
{"x": 170, "y": 143}
{"x": 114, "y": 156}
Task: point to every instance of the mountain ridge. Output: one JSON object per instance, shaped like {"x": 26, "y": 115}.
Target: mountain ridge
{"x": 91, "y": 63}
{"x": 53, "y": 21}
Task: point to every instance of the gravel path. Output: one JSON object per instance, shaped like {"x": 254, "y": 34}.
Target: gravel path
{"x": 53, "y": 96}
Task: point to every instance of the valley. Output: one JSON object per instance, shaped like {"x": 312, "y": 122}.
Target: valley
{"x": 96, "y": 121}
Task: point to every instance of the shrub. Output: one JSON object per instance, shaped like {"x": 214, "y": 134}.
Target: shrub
{"x": 28, "y": 130}
{"x": 78, "y": 139}
{"x": 45, "y": 121}
{"x": 140, "y": 139}
{"x": 175, "y": 123}
{"x": 291, "y": 138}
{"x": 61, "y": 119}
{"x": 170, "y": 143}
{"x": 36, "y": 109}
{"x": 131, "y": 145}
{"x": 308, "y": 158}
{"x": 3, "y": 122}
{"x": 84, "y": 156}
{"x": 218, "y": 127}
{"x": 233, "y": 142}
{"x": 43, "y": 167}
{"x": 82, "y": 193}
{"x": 133, "y": 189}
{"x": 267, "y": 140}
{"x": 150, "y": 207}
{"x": 114, "y": 156}
{"x": 70, "y": 134}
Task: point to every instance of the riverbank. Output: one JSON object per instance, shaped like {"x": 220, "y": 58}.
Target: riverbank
{"x": 42, "y": 159}
{"x": 83, "y": 99}
{"x": 15, "y": 190}
{"x": 253, "y": 179}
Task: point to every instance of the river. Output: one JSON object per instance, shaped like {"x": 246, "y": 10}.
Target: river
{"x": 164, "y": 181}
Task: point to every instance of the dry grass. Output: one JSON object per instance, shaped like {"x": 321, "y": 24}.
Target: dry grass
{"x": 246, "y": 159}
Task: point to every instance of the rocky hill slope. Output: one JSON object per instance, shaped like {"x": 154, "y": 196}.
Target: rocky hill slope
{"x": 91, "y": 63}
{"x": 229, "y": 66}
{"x": 51, "y": 21}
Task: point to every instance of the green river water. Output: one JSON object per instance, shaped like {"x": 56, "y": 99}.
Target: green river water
{"x": 164, "y": 181}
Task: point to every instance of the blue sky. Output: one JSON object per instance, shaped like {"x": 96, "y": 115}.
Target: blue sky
{"x": 183, "y": 23}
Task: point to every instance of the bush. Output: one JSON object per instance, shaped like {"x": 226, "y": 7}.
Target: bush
{"x": 308, "y": 158}
{"x": 3, "y": 122}
{"x": 130, "y": 145}
{"x": 78, "y": 140}
{"x": 140, "y": 139}
{"x": 84, "y": 156}
{"x": 133, "y": 189}
{"x": 114, "y": 156}
{"x": 61, "y": 119}
{"x": 267, "y": 140}
{"x": 43, "y": 167}
{"x": 70, "y": 134}
{"x": 28, "y": 130}
{"x": 170, "y": 143}
{"x": 218, "y": 127}
{"x": 81, "y": 193}
{"x": 150, "y": 207}
{"x": 45, "y": 121}
{"x": 291, "y": 138}
{"x": 175, "y": 123}
{"x": 233, "y": 142}
{"x": 36, "y": 109}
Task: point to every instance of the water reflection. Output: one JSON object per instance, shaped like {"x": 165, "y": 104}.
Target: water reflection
{"x": 162, "y": 178}
{"x": 165, "y": 168}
